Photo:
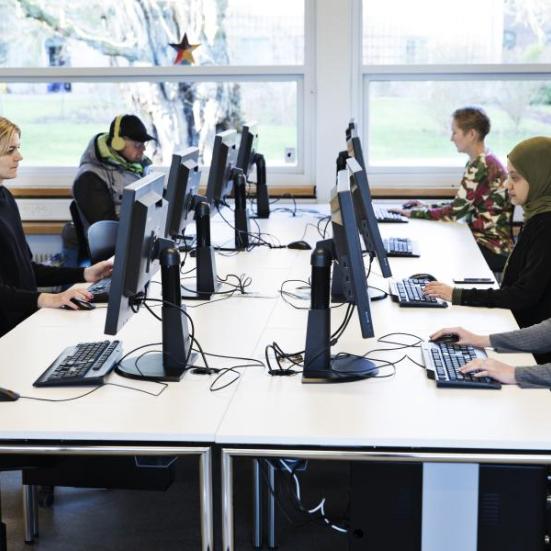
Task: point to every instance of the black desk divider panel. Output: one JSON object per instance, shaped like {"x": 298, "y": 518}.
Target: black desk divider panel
{"x": 385, "y": 506}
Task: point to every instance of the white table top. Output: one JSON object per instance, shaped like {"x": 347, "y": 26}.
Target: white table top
{"x": 186, "y": 411}
{"x": 405, "y": 410}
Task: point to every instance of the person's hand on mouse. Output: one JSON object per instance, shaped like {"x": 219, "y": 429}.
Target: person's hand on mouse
{"x": 98, "y": 271}
{"x": 413, "y": 203}
{"x": 487, "y": 367}
{"x": 438, "y": 289}
{"x": 465, "y": 337}
{"x": 59, "y": 300}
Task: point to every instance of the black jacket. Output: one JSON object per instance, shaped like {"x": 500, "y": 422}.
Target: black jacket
{"x": 19, "y": 275}
{"x": 526, "y": 285}
{"x": 93, "y": 198}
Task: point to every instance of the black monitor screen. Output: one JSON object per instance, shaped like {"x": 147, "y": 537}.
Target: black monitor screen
{"x": 349, "y": 251}
{"x": 182, "y": 186}
{"x": 247, "y": 146}
{"x": 142, "y": 222}
{"x": 224, "y": 155}
{"x": 365, "y": 217}
{"x": 353, "y": 144}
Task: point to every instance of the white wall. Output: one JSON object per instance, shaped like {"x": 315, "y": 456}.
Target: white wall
{"x": 334, "y": 87}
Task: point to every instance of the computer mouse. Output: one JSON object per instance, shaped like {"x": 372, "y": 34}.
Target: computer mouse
{"x": 8, "y": 395}
{"x": 426, "y": 277}
{"x": 448, "y": 338}
{"x": 301, "y": 245}
{"x": 83, "y": 304}
{"x": 410, "y": 204}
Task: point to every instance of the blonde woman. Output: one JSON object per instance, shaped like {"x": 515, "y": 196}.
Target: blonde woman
{"x": 19, "y": 275}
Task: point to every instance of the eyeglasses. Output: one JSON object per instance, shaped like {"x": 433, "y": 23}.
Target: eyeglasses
{"x": 135, "y": 144}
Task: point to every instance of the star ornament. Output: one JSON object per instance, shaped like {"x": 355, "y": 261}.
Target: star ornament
{"x": 184, "y": 49}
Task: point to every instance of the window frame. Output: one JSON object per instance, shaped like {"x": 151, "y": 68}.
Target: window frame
{"x": 303, "y": 76}
{"x": 428, "y": 176}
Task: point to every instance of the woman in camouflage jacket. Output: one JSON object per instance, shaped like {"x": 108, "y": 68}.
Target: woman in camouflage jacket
{"x": 481, "y": 199}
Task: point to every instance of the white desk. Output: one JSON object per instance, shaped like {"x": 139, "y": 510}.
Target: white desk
{"x": 400, "y": 417}
{"x": 405, "y": 417}
{"x": 183, "y": 420}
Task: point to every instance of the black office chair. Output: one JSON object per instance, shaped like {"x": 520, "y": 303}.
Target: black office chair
{"x": 102, "y": 238}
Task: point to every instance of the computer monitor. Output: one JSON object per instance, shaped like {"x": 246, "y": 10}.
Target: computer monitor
{"x": 365, "y": 216}
{"x": 224, "y": 157}
{"x": 247, "y": 157}
{"x": 248, "y": 147}
{"x": 225, "y": 176}
{"x": 140, "y": 250}
{"x": 344, "y": 252}
{"x": 185, "y": 206}
{"x": 181, "y": 189}
{"x": 354, "y": 144}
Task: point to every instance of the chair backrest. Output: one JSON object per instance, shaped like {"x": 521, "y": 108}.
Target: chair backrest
{"x": 102, "y": 238}
{"x": 83, "y": 252}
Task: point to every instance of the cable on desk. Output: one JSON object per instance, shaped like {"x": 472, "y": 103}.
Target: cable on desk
{"x": 327, "y": 220}
{"x": 297, "y": 358}
{"x": 154, "y": 394}
{"x": 183, "y": 311}
{"x": 220, "y": 372}
{"x": 61, "y": 399}
{"x": 260, "y": 241}
{"x": 288, "y": 294}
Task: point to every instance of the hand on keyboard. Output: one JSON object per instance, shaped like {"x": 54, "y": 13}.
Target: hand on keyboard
{"x": 437, "y": 289}
{"x": 403, "y": 212}
{"x": 490, "y": 368}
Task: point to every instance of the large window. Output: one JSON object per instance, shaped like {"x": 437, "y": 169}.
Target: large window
{"x": 424, "y": 59}
{"x": 68, "y": 67}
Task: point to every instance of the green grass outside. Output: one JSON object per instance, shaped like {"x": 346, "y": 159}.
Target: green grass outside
{"x": 57, "y": 127}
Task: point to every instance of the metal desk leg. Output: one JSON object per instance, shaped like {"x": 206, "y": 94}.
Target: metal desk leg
{"x": 257, "y": 505}
{"x": 271, "y": 506}
{"x": 3, "y": 535}
{"x": 29, "y": 513}
{"x": 205, "y": 482}
{"x": 35, "y": 510}
{"x": 227, "y": 501}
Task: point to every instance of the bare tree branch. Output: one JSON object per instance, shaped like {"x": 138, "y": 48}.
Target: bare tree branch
{"x": 106, "y": 47}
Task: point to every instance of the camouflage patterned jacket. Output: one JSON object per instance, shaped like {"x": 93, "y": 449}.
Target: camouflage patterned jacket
{"x": 482, "y": 202}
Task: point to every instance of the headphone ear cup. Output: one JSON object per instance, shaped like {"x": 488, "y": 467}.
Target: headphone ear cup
{"x": 117, "y": 143}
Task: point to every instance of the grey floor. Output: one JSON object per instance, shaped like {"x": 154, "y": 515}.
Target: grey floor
{"x": 109, "y": 520}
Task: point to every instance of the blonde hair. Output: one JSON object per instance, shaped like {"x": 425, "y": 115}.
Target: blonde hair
{"x": 7, "y": 130}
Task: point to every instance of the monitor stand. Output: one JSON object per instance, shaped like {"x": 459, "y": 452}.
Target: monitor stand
{"x": 262, "y": 195}
{"x": 241, "y": 226}
{"x": 206, "y": 280}
{"x": 319, "y": 365}
{"x": 176, "y": 356}
{"x": 241, "y": 215}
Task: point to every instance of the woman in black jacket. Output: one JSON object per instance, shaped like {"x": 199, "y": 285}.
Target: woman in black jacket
{"x": 19, "y": 275}
{"x": 526, "y": 285}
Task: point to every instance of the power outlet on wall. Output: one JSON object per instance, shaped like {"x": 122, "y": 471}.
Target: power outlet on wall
{"x": 290, "y": 155}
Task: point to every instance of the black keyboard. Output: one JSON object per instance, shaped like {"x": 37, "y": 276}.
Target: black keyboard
{"x": 445, "y": 360}
{"x": 86, "y": 363}
{"x": 385, "y": 216}
{"x": 100, "y": 289}
{"x": 400, "y": 246}
{"x": 409, "y": 292}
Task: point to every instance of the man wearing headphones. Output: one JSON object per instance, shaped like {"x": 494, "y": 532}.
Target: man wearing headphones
{"x": 110, "y": 162}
